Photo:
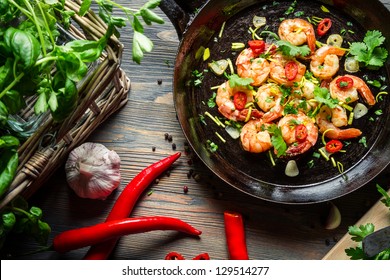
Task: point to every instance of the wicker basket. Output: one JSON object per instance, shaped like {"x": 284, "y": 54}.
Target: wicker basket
{"x": 102, "y": 92}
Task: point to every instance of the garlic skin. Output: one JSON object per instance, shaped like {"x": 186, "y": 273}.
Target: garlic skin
{"x": 93, "y": 171}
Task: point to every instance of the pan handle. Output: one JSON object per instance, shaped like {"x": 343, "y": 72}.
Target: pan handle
{"x": 180, "y": 12}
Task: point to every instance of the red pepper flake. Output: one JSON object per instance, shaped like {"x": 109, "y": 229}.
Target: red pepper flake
{"x": 185, "y": 189}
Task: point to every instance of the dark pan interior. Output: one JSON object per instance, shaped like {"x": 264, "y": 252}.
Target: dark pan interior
{"x": 253, "y": 173}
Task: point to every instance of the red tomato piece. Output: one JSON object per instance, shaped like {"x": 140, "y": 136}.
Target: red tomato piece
{"x": 300, "y": 133}
{"x": 291, "y": 70}
{"x": 257, "y": 46}
{"x": 333, "y": 146}
{"x": 324, "y": 26}
{"x": 239, "y": 100}
{"x": 344, "y": 82}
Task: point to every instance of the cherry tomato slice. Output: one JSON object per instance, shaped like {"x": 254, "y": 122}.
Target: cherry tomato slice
{"x": 291, "y": 70}
{"x": 257, "y": 46}
{"x": 344, "y": 82}
{"x": 300, "y": 133}
{"x": 324, "y": 26}
{"x": 239, "y": 100}
{"x": 333, "y": 146}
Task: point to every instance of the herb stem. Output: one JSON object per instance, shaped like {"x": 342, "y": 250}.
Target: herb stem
{"x": 11, "y": 85}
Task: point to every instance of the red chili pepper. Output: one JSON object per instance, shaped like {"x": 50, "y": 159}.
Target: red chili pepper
{"x": 239, "y": 100}
{"x": 291, "y": 70}
{"x": 344, "y": 82}
{"x": 235, "y": 236}
{"x": 174, "y": 256}
{"x": 203, "y": 256}
{"x": 126, "y": 201}
{"x": 257, "y": 46}
{"x": 324, "y": 26}
{"x": 177, "y": 256}
{"x": 333, "y": 146}
{"x": 86, "y": 236}
{"x": 300, "y": 133}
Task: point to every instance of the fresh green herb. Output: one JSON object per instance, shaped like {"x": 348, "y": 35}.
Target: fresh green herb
{"x": 197, "y": 78}
{"x": 211, "y": 146}
{"x": 386, "y": 199}
{"x": 363, "y": 141}
{"x": 8, "y": 161}
{"x": 290, "y": 108}
{"x": 202, "y": 119}
{"x": 290, "y": 50}
{"x": 378, "y": 112}
{"x": 299, "y": 13}
{"x": 369, "y": 52}
{"x": 323, "y": 95}
{"x": 277, "y": 140}
{"x": 18, "y": 218}
{"x": 211, "y": 101}
{"x": 310, "y": 163}
{"x": 237, "y": 81}
{"x": 291, "y": 8}
{"x": 359, "y": 232}
{"x": 316, "y": 155}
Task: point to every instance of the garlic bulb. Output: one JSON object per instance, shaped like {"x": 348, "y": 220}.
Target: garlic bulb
{"x": 93, "y": 171}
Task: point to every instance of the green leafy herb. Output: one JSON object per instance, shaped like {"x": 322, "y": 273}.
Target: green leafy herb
{"x": 237, "y": 81}
{"x": 211, "y": 146}
{"x": 386, "y": 199}
{"x": 211, "y": 101}
{"x": 359, "y": 232}
{"x": 363, "y": 141}
{"x": 323, "y": 95}
{"x": 369, "y": 52}
{"x": 18, "y": 218}
{"x": 290, "y": 50}
{"x": 277, "y": 140}
{"x": 291, "y": 8}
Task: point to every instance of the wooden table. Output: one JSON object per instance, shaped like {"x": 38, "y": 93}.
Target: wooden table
{"x": 274, "y": 231}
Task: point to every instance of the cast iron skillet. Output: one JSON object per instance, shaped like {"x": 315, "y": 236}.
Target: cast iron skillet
{"x": 253, "y": 173}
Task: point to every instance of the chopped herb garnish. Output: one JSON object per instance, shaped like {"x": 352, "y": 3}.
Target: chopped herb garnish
{"x": 374, "y": 83}
{"x": 363, "y": 141}
{"x": 211, "y": 146}
{"x": 211, "y": 101}
{"x": 291, "y": 8}
{"x": 323, "y": 95}
{"x": 237, "y": 81}
{"x": 290, "y": 50}
{"x": 277, "y": 140}
{"x": 378, "y": 112}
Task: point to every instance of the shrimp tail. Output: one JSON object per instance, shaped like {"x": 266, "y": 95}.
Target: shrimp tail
{"x": 343, "y": 134}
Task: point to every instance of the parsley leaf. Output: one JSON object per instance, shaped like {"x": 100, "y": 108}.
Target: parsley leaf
{"x": 323, "y": 95}
{"x": 277, "y": 140}
{"x": 290, "y": 50}
{"x": 386, "y": 199}
{"x": 237, "y": 81}
{"x": 369, "y": 51}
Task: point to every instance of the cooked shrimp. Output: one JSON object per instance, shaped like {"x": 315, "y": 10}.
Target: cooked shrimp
{"x": 225, "y": 103}
{"x": 254, "y": 136}
{"x": 297, "y": 32}
{"x": 333, "y": 132}
{"x": 325, "y": 62}
{"x": 278, "y": 71}
{"x": 248, "y": 66}
{"x": 348, "y": 95}
{"x": 268, "y": 98}
{"x": 288, "y": 125}
{"x": 308, "y": 90}
{"x": 339, "y": 116}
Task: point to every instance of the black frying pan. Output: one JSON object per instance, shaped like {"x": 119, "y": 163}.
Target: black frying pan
{"x": 253, "y": 173}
